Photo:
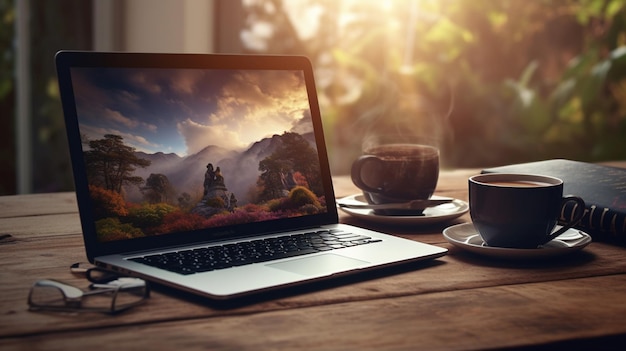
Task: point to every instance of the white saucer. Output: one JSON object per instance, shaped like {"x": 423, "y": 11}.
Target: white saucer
{"x": 466, "y": 237}
{"x": 431, "y": 215}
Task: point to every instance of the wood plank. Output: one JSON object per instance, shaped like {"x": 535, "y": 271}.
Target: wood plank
{"x": 436, "y": 305}
{"x": 32, "y": 258}
{"x": 20, "y": 228}
{"x": 559, "y": 314}
{"x": 37, "y": 204}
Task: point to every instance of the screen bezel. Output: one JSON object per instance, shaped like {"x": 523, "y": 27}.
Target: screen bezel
{"x": 66, "y": 60}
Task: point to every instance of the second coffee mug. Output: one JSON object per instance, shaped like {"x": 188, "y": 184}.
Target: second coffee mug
{"x": 519, "y": 210}
{"x": 392, "y": 173}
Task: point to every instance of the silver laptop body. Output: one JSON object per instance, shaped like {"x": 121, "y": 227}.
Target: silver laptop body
{"x": 185, "y": 155}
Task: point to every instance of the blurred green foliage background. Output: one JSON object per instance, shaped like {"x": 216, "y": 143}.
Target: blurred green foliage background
{"x": 496, "y": 82}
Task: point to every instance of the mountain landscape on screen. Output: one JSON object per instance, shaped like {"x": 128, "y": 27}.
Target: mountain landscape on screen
{"x": 240, "y": 169}
{"x": 170, "y": 150}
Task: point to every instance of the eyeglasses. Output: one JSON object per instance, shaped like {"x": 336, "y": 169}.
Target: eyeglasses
{"x": 112, "y": 297}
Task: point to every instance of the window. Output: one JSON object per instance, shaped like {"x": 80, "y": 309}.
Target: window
{"x": 34, "y": 151}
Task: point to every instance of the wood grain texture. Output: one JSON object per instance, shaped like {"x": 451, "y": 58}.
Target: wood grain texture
{"x": 535, "y": 314}
{"x": 38, "y": 204}
{"x": 460, "y": 301}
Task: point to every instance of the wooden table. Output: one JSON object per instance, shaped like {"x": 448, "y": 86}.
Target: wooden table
{"x": 458, "y": 302}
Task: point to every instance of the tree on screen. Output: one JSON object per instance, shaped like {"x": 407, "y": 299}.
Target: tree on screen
{"x": 111, "y": 164}
{"x": 271, "y": 179}
{"x": 293, "y": 159}
{"x": 303, "y": 157}
{"x": 158, "y": 188}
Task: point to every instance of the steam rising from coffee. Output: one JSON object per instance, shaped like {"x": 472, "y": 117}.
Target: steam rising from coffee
{"x": 401, "y": 115}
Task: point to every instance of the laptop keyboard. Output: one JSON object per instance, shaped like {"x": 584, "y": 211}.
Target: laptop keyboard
{"x": 239, "y": 254}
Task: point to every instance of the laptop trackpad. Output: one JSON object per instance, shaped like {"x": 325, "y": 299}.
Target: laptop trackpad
{"x": 317, "y": 265}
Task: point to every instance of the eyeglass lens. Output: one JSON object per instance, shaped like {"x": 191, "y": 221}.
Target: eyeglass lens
{"x": 54, "y": 294}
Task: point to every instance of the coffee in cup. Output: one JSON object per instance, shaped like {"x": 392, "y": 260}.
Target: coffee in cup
{"x": 395, "y": 173}
{"x": 519, "y": 210}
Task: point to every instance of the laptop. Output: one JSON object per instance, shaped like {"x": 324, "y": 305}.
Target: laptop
{"x": 209, "y": 173}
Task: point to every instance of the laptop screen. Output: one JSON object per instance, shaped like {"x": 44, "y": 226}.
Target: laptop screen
{"x": 169, "y": 150}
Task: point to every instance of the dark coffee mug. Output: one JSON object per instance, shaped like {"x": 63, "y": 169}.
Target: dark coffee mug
{"x": 519, "y": 210}
{"x": 393, "y": 173}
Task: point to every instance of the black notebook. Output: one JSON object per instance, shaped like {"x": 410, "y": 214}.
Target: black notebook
{"x": 602, "y": 187}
